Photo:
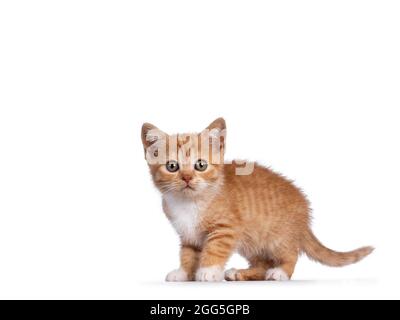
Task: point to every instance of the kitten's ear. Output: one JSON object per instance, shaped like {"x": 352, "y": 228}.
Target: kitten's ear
{"x": 217, "y": 132}
{"x": 218, "y": 124}
{"x": 151, "y": 134}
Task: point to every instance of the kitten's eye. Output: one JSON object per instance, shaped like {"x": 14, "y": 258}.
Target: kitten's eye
{"x": 172, "y": 166}
{"x": 201, "y": 165}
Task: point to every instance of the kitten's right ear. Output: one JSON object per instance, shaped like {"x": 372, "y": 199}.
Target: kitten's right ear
{"x": 146, "y": 134}
{"x": 150, "y": 135}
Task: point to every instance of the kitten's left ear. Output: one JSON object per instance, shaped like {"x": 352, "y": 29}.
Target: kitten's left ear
{"x": 218, "y": 124}
{"x": 217, "y": 130}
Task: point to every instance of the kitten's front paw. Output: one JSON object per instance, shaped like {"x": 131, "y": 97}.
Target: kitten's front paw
{"x": 177, "y": 275}
{"x": 213, "y": 273}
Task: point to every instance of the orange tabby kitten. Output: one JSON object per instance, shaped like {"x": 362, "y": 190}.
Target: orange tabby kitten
{"x": 219, "y": 208}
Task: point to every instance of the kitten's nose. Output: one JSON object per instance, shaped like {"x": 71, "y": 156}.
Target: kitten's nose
{"x": 186, "y": 178}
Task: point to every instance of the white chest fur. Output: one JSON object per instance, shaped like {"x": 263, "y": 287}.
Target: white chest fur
{"x": 184, "y": 214}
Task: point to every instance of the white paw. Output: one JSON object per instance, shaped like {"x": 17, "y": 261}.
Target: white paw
{"x": 213, "y": 273}
{"x": 177, "y": 275}
{"x": 276, "y": 274}
{"x": 230, "y": 274}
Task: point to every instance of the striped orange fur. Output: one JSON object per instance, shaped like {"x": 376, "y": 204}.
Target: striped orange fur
{"x": 216, "y": 212}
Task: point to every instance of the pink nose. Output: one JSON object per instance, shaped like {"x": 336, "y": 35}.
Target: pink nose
{"x": 186, "y": 178}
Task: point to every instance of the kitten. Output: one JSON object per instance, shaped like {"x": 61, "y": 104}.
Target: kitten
{"x": 216, "y": 210}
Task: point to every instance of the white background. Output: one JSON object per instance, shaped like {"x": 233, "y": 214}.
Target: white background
{"x": 310, "y": 88}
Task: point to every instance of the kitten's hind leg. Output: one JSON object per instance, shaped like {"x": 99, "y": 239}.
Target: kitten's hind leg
{"x": 284, "y": 270}
{"x": 245, "y": 274}
{"x": 256, "y": 271}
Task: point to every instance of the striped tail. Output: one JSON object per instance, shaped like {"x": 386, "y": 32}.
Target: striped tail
{"x": 318, "y": 252}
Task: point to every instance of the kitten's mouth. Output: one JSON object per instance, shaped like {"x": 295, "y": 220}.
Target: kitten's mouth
{"x": 188, "y": 187}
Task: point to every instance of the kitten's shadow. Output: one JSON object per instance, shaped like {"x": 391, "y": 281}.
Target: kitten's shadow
{"x": 358, "y": 281}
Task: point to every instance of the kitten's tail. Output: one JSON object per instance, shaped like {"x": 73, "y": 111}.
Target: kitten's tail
{"x": 317, "y": 251}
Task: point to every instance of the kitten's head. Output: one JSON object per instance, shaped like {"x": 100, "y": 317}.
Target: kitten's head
{"x": 186, "y": 164}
